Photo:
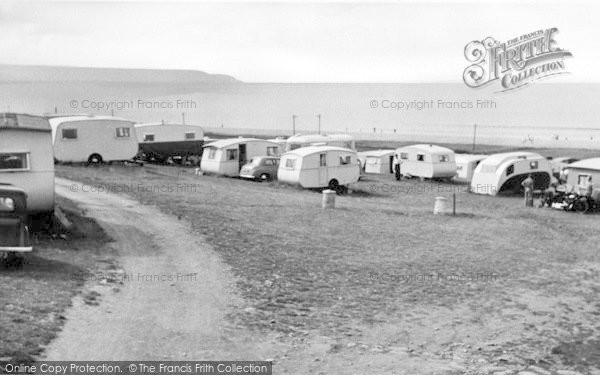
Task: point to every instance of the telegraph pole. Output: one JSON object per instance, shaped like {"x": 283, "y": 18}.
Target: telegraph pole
{"x": 294, "y": 124}
{"x": 319, "y": 117}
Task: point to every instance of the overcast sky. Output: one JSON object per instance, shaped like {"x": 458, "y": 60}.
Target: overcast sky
{"x": 288, "y": 42}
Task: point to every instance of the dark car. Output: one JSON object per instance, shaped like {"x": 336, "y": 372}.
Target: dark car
{"x": 262, "y": 168}
{"x": 14, "y": 234}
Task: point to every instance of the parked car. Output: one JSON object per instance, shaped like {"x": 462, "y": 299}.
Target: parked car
{"x": 14, "y": 234}
{"x": 262, "y": 168}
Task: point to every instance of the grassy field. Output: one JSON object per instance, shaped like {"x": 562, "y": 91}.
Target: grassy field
{"x": 497, "y": 282}
{"x": 35, "y": 296}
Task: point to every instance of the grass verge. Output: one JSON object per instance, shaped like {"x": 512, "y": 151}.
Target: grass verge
{"x": 35, "y": 297}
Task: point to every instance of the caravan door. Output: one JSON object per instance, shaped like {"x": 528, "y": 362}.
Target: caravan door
{"x": 323, "y": 181}
{"x": 242, "y": 155}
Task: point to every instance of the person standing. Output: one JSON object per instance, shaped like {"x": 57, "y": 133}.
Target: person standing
{"x": 589, "y": 187}
{"x": 528, "y": 187}
{"x": 398, "y": 168}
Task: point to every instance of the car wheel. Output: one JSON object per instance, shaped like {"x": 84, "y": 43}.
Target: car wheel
{"x": 265, "y": 177}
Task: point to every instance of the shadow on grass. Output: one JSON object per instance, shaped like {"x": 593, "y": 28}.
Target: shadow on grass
{"x": 38, "y": 268}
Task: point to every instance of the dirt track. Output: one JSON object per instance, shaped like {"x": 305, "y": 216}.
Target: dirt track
{"x": 178, "y": 318}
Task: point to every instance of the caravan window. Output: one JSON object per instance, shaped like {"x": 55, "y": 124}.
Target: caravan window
{"x": 404, "y": 155}
{"x": 290, "y": 163}
{"x": 148, "y": 137}
{"x": 420, "y": 157}
{"x": 323, "y": 160}
{"x": 272, "y": 151}
{"x": 14, "y": 161}
{"x": 345, "y": 160}
{"x": 189, "y": 136}
{"x": 123, "y": 133}
{"x": 582, "y": 179}
{"x": 212, "y": 152}
{"x": 444, "y": 158}
{"x": 232, "y": 154}
{"x": 533, "y": 164}
{"x": 510, "y": 170}
{"x": 69, "y": 133}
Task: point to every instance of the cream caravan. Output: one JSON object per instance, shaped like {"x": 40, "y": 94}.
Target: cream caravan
{"x": 424, "y": 161}
{"x": 336, "y": 140}
{"x": 227, "y": 156}
{"x": 465, "y": 166}
{"x": 26, "y": 159}
{"x": 318, "y": 167}
{"x": 93, "y": 139}
{"x": 504, "y": 172}
{"x": 380, "y": 161}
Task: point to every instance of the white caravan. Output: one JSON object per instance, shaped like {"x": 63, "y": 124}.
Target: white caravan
{"x": 380, "y": 161}
{"x": 577, "y": 173}
{"x": 504, "y": 173}
{"x": 336, "y": 140}
{"x": 282, "y": 142}
{"x": 26, "y": 159}
{"x": 93, "y": 139}
{"x": 424, "y": 161}
{"x": 227, "y": 156}
{"x": 465, "y": 166}
{"x": 318, "y": 167}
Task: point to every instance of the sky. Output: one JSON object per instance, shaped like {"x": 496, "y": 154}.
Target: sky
{"x": 287, "y": 41}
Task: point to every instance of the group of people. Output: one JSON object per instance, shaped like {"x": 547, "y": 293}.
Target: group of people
{"x": 585, "y": 189}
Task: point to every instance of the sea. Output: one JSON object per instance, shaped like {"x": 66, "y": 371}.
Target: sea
{"x": 542, "y": 114}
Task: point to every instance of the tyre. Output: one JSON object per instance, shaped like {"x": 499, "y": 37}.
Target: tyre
{"x": 580, "y": 206}
{"x": 334, "y": 185}
{"x": 95, "y": 159}
{"x": 265, "y": 177}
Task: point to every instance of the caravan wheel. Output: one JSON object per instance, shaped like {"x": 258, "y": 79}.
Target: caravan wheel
{"x": 335, "y": 185}
{"x": 95, "y": 159}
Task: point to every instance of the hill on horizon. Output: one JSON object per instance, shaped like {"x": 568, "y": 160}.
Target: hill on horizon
{"x": 48, "y": 74}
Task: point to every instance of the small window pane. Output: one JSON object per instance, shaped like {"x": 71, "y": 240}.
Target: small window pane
{"x": 272, "y": 151}
{"x": 211, "y": 153}
{"x": 189, "y": 136}
{"x": 148, "y": 137}
{"x": 510, "y": 170}
{"x": 533, "y": 165}
{"x": 232, "y": 154}
{"x": 404, "y": 155}
{"x": 290, "y": 163}
{"x": 69, "y": 133}
{"x": 444, "y": 158}
{"x": 345, "y": 160}
{"x": 13, "y": 161}
{"x": 123, "y": 132}
{"x": 420, "y": 157}
{"x": 323, "y": 160}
